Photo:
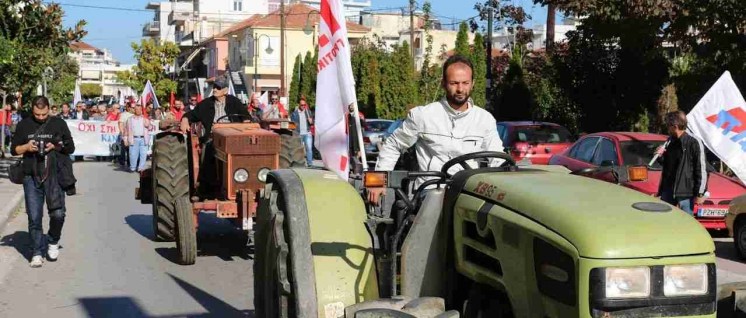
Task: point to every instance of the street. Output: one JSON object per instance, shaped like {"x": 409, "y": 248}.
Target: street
{"x": 109, "y": 266}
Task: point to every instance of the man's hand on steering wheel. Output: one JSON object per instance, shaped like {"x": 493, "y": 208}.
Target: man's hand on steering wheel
{"x": 247, "y": 117}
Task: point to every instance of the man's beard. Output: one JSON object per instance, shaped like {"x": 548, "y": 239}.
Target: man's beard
{"x": 453, "y": 100}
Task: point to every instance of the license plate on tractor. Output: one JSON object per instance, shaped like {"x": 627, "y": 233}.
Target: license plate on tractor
{"x": 712, "y": 213}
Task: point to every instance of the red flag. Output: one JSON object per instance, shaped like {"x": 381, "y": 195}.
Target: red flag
{"x": 172, "y": 101}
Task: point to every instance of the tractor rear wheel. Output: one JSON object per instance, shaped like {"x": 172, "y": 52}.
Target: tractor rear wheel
{"x": 292, "y": 151}
{"x": 272, "y": 292}
{"x": 186, "y": 232}
{"x": 170, "y": 182}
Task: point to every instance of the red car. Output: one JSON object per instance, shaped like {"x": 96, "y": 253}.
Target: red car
{"x": 623, "y": 149}
{"x": 532, "y": 140}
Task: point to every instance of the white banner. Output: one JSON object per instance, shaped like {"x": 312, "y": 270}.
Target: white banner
{"x": 719, "y": 121}
{"x": 100, "y": 138}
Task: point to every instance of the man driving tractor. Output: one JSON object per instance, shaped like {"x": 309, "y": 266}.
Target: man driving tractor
{"x": 442, "y": 130}
{"x": 220, "y": 107}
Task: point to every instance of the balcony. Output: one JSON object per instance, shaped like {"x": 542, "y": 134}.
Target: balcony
{"x": 151, "y": 29}
{"x": 178, "y": 18}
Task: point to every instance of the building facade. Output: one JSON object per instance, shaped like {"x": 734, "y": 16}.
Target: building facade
{"x": 97, "y": 66}
{"x": 504, "y": 38}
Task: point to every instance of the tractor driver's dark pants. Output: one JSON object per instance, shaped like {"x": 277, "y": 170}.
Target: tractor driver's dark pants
{"x": 208, "y": 177}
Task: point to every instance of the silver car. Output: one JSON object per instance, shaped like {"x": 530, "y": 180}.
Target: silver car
{"x": 373, "y": 131}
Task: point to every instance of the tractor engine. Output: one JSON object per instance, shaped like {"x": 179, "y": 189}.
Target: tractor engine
{"x": 245, "y": 155}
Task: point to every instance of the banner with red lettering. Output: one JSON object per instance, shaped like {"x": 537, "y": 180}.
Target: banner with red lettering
{"x": 100, "y": 138}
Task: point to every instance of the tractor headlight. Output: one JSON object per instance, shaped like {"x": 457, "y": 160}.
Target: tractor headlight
{"x": 685, "y": 280}
{"x": 241, "y": 175}
{"x": 262, "y": 174}
{"x": 627, "y": 282}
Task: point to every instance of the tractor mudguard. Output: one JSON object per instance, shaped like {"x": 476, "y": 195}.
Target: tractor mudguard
{"x": 332, "y": 263}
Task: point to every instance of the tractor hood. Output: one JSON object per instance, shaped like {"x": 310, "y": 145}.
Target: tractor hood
{"x": 597, "y": 217}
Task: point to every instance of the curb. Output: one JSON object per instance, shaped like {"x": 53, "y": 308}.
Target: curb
{"x": 10, "y": 207}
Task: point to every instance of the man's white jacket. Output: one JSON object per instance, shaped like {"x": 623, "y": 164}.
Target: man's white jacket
{"x": 439, "y": 134}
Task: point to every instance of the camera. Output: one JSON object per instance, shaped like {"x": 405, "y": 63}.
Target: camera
{"x": 42, "y": 145}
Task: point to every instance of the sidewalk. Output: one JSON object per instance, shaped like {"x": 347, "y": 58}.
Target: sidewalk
{"x": 11, "y": 195}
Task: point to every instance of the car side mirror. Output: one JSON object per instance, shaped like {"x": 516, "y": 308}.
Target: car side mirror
{"x": 608, "y": 163}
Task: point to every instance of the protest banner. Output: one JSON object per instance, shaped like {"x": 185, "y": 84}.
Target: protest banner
{"x": 100, "y": 138}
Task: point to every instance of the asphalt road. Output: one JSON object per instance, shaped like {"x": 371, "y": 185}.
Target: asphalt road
{"x": 109, "y": 266}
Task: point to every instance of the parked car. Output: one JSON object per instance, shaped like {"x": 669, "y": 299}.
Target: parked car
{"x": 372, "y": 132}
{"x": 533, "y": 141}
{"x": 595, "y": 155}
{"x": 736, "y": 222}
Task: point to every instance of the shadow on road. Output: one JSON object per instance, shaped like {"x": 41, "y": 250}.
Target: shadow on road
{"x": 216, "y": 237}
{"x": 116, "y": 307}
{"x": 20, "y": 241}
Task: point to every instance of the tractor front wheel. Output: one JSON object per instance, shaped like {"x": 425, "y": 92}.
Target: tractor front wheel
{"x": 186, "y": 240}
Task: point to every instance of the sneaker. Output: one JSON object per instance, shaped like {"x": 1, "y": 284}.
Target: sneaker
{"x": 53, "y": 252}
{"x": 36, "y": 261}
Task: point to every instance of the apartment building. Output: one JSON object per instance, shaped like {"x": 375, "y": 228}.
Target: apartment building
{"x": 98, "y": 66}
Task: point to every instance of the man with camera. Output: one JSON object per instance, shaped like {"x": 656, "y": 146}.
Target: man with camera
{"x": 39, "y": 139}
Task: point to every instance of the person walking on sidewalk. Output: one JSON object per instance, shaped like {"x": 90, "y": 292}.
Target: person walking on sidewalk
{"x": 38, "y": 139}
{"x": 138, "y": 139}
{"x": 303, "y": 119}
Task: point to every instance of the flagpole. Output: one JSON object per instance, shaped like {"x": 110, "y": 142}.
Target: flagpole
{"x": 359, "y": 133}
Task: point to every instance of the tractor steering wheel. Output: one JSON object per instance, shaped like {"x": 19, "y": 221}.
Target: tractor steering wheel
{"x": 461, "y": 160}
{"x": 244, "y": 116}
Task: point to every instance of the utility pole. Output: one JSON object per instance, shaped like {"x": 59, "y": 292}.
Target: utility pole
{"x": 489, "y": 57}
{"x": 282, "y": 48}
{"x": 551, "y": 13}
{"x": 412, "y": 4}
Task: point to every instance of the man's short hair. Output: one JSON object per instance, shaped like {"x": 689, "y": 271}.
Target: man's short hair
{"x": 40, "y": 102}
{"x": 675, "y": 119}
{"x": 456, "y": 59}
{"x": 303, "y": 98}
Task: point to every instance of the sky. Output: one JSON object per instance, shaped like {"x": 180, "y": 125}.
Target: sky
{"x": 116, "y": 29}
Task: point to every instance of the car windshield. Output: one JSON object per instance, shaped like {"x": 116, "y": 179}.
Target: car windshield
{"x": 640, "y": 152}
{"x": 394, "y": 126}
{"x": 377, "y": 126}
{"x": 541, "y": 134}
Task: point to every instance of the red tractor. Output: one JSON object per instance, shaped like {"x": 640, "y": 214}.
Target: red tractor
{"x": 244, "y": 153}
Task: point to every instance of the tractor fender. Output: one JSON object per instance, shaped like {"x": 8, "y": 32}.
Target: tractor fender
{"x": 332, "y": 258}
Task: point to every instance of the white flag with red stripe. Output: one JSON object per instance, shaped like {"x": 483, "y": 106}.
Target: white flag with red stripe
{"x": 148, "y": 95}
{"x": 335, "y": 89}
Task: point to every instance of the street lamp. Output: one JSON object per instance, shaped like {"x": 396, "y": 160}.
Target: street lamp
{"x": 308, "y": 29}
{"x": 255, "y": 37}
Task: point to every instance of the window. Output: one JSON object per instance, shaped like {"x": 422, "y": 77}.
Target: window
{"x": 606, "y": 153}
{"x": 639, "y": 152}
{"x": 502, "y": 131}
{"x": 583, "y": 151}
{"x": 237, "y": 5}
{"x": 541, "y": 134}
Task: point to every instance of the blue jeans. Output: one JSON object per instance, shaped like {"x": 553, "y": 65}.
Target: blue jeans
{"x": 35, "y": 194}
{"x": 685, "y": 204}
{"x": 138, "y": 150}
{"x": 307, "y": 140}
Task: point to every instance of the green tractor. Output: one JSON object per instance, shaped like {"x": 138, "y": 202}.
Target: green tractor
{"x": 486, "y": 242}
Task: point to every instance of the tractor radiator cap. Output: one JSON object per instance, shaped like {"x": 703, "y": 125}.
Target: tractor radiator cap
{"x": 652, "y": 207}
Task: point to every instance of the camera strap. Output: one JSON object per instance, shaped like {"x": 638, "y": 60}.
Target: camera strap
{"x": 36, "y": 163}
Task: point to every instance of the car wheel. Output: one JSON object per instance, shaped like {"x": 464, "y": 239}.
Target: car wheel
{"x": 739, "y": 238}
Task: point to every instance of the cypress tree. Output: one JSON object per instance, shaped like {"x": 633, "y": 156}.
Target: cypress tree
{"x": 295, "y": 83}
{"x": 479, "y": 60}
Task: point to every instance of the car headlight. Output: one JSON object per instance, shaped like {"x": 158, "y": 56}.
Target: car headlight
{"x": 685, "y": 280}
{"x": 241, "y": 175}
{"x": 262, "y": 174}
{"x": 627, "y": 282}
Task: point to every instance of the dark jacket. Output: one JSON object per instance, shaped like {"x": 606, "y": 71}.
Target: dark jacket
{"x": 205, "y": 112}
{"x": 295, "y": 117}
{"x": 691, "y": 173}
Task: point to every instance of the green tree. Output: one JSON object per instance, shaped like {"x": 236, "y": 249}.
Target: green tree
{"x": 152, "y": 58}
{"x": 462, "y": 40}
{"x": 308, "y": 78}
{"x": 366, "y": 68}
{"x": 31, "y": 39}
{"x": 295, "y": 83}
{"x": 89, "y": 90}
{"x": 398, "y": 89}
{"x": 479, "y": 60}
{"x": 61, "y": 87}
